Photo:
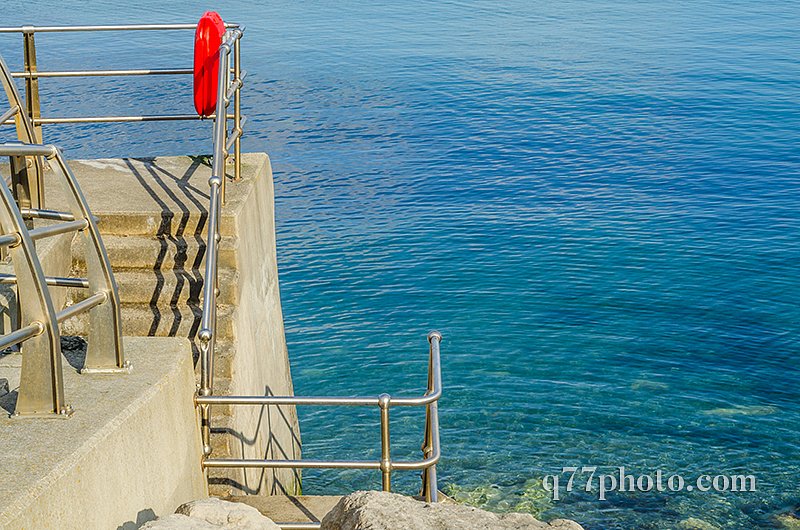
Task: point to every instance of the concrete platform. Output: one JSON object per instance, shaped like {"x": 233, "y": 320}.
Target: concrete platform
{"x": 155, "y": 196}
{"x": 129, "y": 453}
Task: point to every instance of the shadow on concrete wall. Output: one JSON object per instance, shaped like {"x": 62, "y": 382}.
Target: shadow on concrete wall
{"x": 272, "y": 415}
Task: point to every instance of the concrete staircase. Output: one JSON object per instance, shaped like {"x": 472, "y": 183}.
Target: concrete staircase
{"x": 153, "y": 216}
{"x": 160, "y": 282}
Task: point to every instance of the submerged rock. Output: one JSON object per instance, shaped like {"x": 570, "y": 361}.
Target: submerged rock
{"x": 788, "y": 521}
{"x": 375, "y": 510}
{"x": 752, "y": 410}
{"x": 646, "y": 384}
{"x": 693, "y": 523}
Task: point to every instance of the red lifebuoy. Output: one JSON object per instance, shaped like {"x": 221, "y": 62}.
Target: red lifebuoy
{"x": 207, "y": 38}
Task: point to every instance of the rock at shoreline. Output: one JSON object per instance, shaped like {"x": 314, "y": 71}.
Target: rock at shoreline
{"x": 375, "y": 510}
{"x": 213, "y": 514}
{"x": 177, "y": 522}
{"x": 228, "y": 515}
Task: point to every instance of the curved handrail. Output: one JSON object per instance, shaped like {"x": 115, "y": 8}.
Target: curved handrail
{"x": 41, "y": 391}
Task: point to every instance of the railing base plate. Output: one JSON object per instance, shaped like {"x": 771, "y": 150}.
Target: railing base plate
{"x": 127, "y": 368}
{"x": 65, "y": 415}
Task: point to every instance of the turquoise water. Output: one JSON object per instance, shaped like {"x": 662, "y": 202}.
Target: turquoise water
{"x": 595, "y": 202}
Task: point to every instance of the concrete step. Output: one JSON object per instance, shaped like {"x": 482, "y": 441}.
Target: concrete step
{"x": 159, "y": 253}
{"x": 144, "y": 321}
{"x": 166, "y": 289}
{"x": 290, "y": 509}
{"x": 166, "y": 223}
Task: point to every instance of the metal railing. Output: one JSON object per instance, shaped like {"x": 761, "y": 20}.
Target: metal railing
{"x": 29, "y": 179}
{"x": 430, "y": 447}
{"x": 208, "y": 324}
{"x": 41, "y": 389}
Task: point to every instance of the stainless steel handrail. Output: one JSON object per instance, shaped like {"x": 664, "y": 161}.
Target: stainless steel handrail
{"x": 430, "y": 447}
{"x": 52, "y": 281}
{"x": 101, "y": 73}
{"x": 207, "y": 334}
{"x": 208, "y": 324}
{"x": 41, "y": 390}
{"x": 117, "y": 27}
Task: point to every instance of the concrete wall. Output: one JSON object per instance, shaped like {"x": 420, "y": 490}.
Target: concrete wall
{"x": 129, "y": 453}
{"x": 261, "y": 363}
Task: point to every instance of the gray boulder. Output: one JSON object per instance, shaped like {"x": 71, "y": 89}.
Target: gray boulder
{"x": 375, "y": 510}
{"x": 213, "y": 514}
{"x": 177, "y": 522}
{"x": 227, "y": 515}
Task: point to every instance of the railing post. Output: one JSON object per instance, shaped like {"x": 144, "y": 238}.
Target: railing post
{"x": 427, "y": 443}
{"x": 41, "y": 387}
{"x": 221, "y": 120}
{"x": 26, "y": 172}
{"x": 430, "y": 486}
{"x": 31, "y": 81}
{"x": 237, "y": 113}
{"x": 386, "y": 450}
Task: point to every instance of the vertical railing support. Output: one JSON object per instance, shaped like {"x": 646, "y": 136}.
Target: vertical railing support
{"x": 32, "y": 104}
{"x": 237, "y": 113}
{"x": 430, "y": 486}
{"x": 26, "y": 172}
{"x": 41, "y": 387}
{"x": 386, "y": 449}
{"x": 220, "y": 121}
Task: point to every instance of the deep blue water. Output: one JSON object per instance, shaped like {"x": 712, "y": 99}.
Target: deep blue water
{"x": 596, "y": 203}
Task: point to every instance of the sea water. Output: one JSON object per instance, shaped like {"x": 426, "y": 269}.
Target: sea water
{"x": 595, "y": 202}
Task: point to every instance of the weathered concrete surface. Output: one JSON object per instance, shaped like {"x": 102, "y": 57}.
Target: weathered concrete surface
{"x": 130, "y": 452}
{"x": 177, "y": 521}
{"x": 153, "y": 215}
{"x": 294, "y": 509}
{"x": 376, "y": 510}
